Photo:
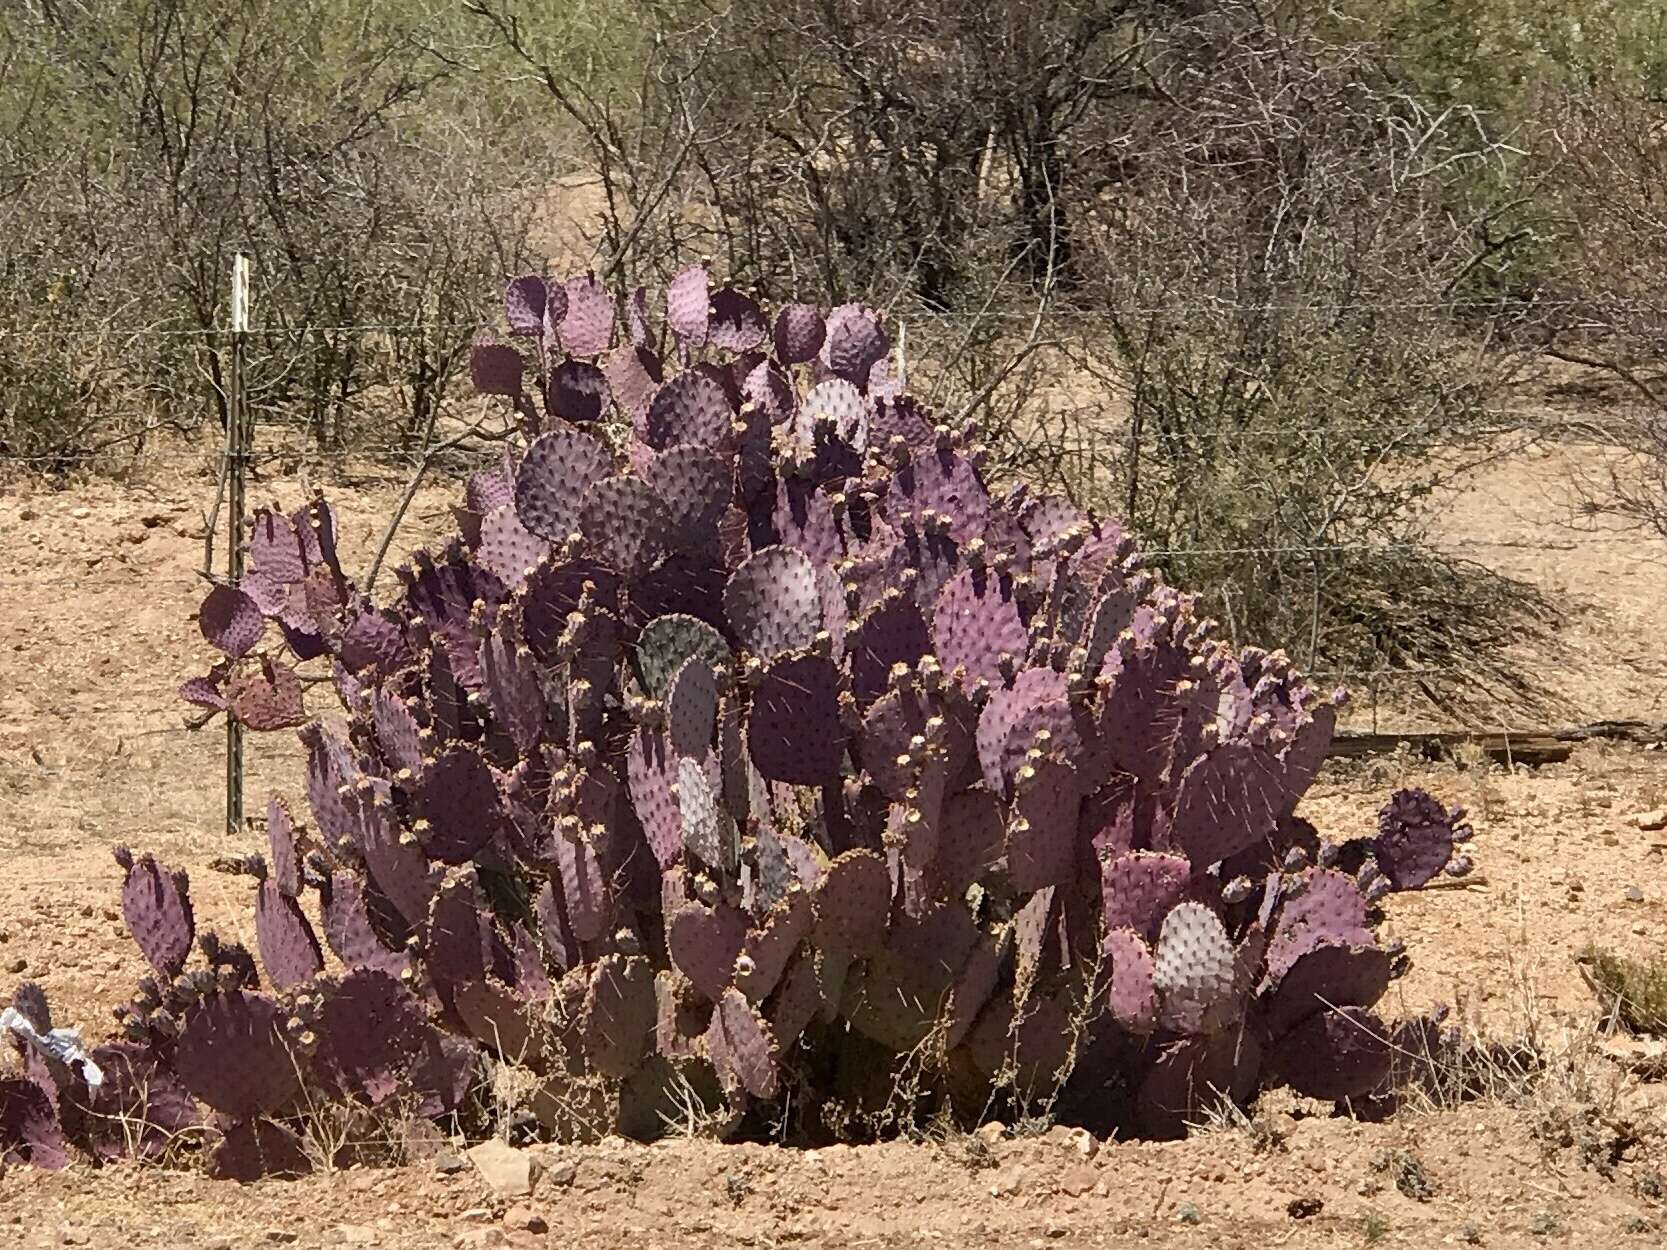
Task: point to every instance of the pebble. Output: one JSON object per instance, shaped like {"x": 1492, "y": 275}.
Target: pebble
{"x": 561, "y": 1175}
{"x": 1007, "y": 1183}
{"x": 1650, "y": 821}
{"x": 448, "y": 1164}
{"x": 352, "y": 1235}
{"x": 1079, "y": 1180}
{"x": 480, "y": 1239}
{"x": 19, "y": 964}
{"x": 1634, "y": 894}
{"x": 81, "y": 514}
{"x": 523, "y": 1218}
{"x": 281, "y": 1236}
{"x": 992, "y": 1131}
{"x": 510, "y": 1172}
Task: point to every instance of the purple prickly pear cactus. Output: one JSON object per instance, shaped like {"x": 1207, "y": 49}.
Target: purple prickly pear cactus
{"x": 743, "y": 730}
{"x": 1416, "y": 839}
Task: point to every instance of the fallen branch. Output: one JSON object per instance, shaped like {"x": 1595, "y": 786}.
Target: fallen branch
{"x": 1532, "y": 747}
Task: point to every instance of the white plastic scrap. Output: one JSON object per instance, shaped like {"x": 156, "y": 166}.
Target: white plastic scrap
{"x": 64, "y": 1045}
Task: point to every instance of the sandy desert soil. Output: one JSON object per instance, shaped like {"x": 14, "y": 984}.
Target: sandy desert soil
{"x": 97, "y": 582}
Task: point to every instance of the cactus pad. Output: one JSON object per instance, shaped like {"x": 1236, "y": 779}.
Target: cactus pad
{"x": 235, "y": 1056}
{"x": 284, "y": 858}
{"x": 741, "y": 1047}
{"x": 253, "y": 1150}
{"x": 29, "y": 1129}
{"x": 494, "y": 368}
{"x": 1346, "y": 1053}
{"x": 708, "y": 828}
{"x": 1042, "y": 831}
{"x": 794, "y": 731}
{"x": 619, "y": 1015}
{"x": 1139, "y": 889}
{"x": 667, "y": 642}
{"x": 372, "y": 1031}
{"x": 156, "y": 904}
{"x": 457, "y": 796}
{"x": 738, "y": 323}
{"x": 1415, "y": 839}
{"x": 689, "y": 305}
{"x": 1194, "y": 971}
{"x": 977, "y": 626}
{"x": 852, "y": 904}
{"x": 524, "y": 301}
{"x": 692, "y": 708}
{"x": 587, "y": 321}
{"x": 773, "y": 602}
{"x": 703, "y": 943}
{"x": 799, "y": 333}
{"x": 691, "y": 408}
{"x": 577, "y": 391}
{"x": 288, "y": 949}
{"x": 231, "y": 621}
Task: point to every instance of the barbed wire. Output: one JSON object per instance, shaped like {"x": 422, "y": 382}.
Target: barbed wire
{"x": 1379, "y": 551}
{"x": 908, "y": 312}
{"x": 1520, "y": 420}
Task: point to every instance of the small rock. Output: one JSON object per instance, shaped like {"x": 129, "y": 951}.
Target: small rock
{"x": 218, "y": 1243}
{"x": 81, "y": 514}
{"x": 1304, "y": 1207}
{"x": 19, "y": 964}
{"x": 480, "y": 1239}
{"x": 1651, "y": 820}
{"x": 1634, "y": 894}
{"x": 1188, "y": 1213}
{"x": 992, "y": 1132}
{"x": 446, "y": 1163}
{"x": 1639, "y": 928}
{"x": 70, "y": 1235}
{"x": 561, "y": 1175}
{"x": 1007, "y": 1183}
{"x": 281, "y": 1236}
{"x": 510, "y": 1172}
{"x": 477, "y": 1215}
{"x": 1084, "y": 1143}
{"x": 1079, "y": 1180}
{"x": 523, "y": 1218}
{"x": 352, "y": 1235}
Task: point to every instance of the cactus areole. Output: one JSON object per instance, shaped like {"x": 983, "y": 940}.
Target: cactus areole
{"x": 743, "y": 745}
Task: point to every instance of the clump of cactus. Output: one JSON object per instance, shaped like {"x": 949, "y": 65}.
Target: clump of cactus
{"x": 743, "y": 746}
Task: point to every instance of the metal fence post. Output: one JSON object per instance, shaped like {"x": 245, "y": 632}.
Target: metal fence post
{"x": 238, "y": 438}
